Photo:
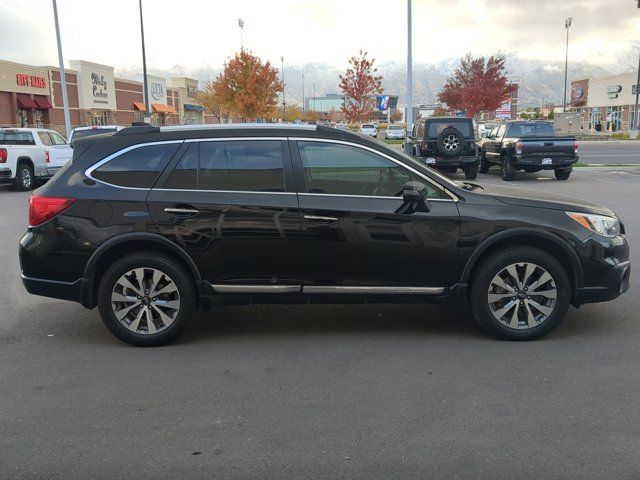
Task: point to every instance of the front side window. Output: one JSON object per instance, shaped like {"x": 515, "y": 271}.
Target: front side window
{"x": 242, "y": 165}
{"x": 139, "y": 167}
{"x": 501, "y": 130}
{"x": 338, "y": 169}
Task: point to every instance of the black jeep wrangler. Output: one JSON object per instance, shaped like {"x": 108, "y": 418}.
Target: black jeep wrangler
{"x": 445, "y": 143}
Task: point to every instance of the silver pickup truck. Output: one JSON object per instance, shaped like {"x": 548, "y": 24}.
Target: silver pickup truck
{"x": 28, "y": 154}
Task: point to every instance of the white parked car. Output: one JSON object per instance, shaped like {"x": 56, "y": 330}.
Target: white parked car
{"x": 394, "y": 132}
{"x": 369, "y": 129}
{"x": 81, "y": 132}
{"x": 27, "y": 154}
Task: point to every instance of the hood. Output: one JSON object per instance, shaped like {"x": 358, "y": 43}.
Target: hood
{"x": 537, "y": 198}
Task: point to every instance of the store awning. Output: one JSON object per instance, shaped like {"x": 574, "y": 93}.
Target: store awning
{"x": 193, "y": 108}
{"x": 162, "y": 108}
{"x": 42, "y": 102}
{"x": 25, "y": 101}
{"x": 139, "y": 106}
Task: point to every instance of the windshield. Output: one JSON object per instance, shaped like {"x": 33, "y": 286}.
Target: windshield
{"x": 394, "y": 127}
{"x": 91, "y": 132}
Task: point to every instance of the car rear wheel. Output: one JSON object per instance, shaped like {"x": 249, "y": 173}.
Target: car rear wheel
{"x": 562, "y": 173}
{"x": 520, "y": 294}
{"x": 24, "y": 178}
{"x": 507, "y": 170}
{"x": 146, "y": 299}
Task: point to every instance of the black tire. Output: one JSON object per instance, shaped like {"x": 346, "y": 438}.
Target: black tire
{"x": 507, "y": 170}
{"x": 24, "y": 178}
{"x": 180, "y": 276}
{"x": 562, "y": 173}
{"x": 486, "y": 271}
{"x": 484, "y": 163}
{"x": 471, "y": 173}
{"x": 448, "y": 139}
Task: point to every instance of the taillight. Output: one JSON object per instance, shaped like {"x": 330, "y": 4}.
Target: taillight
{"x": 3, "y": 155}
{"x": 518, "y": 148}
{"x": 43, "y": 208}
{"x": 46, "y": 157}
{"x": 575, "y": 147}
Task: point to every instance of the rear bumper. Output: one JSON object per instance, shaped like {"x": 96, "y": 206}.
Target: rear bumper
{"x": 612, "y": 285}
{"x": 5, "y": 175}
{"x": 537, "y": 162}
{"x": 78, "y": 291}
{"x": 436, "y": 161}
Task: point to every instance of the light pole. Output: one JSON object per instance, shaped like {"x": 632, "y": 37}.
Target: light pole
{"x": 63, "y": 79}
{"x": 635, "y": 110}
{"x": 302, "y": 92}
{"x": 409, "y": 118}
{"x": 241, "y": 25}
{"x": 284, "y": 101}
{"x": 567, "y": 24}
{"x": 147, "y": 113}
{"x": 544, "y": 103}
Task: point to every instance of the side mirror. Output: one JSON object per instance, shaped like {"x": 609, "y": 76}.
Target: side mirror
{"x": 414, "y": 198}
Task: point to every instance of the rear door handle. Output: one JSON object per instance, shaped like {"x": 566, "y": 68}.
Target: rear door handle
{"x": 320, "y": 218}
{"x": 182, "y": 211}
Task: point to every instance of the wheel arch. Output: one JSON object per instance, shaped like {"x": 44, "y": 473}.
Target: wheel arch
{"x": 27, "y": 160}
{"x": 548, "y": 242}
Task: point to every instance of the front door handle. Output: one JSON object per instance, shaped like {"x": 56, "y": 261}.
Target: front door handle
{"x": 182, "y": 211}
{"x": 320, "y": 218}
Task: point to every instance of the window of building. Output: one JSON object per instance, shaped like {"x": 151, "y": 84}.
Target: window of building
{"x": 139, "y": 167}
{"x": 245, "y": 165}
{"x": 338, "y": 169}
{"x": 138, "y": 117}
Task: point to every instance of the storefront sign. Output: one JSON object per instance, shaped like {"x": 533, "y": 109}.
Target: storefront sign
{"x": 96, "y": 85}
{"x": 504, "y": 112}
{"x": 191, "y": 91}
{"x": 35, "y": 81}
{"x": 614, "y": 88}
{"x": 18, "y": 78}
{"x": 634, "y": 89}
{"x": 579, "y": 92}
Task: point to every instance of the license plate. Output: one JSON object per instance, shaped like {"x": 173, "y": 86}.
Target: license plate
{"x": 547, "y": 161}
{"x": 429, "y": 161}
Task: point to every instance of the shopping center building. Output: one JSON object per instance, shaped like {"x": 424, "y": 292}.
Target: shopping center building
{"x": 31, "y": 96}
{"x": 605, "y": 104}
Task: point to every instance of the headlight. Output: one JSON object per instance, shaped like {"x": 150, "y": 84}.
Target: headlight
{"x": 602, "y": 225}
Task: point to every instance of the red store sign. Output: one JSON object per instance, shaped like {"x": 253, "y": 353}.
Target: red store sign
{"x": 34, "y": 81}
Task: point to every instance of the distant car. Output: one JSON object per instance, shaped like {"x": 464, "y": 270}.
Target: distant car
{"x": 27, "y": 154}
{"x": 394, "y": 132}
{"x": 81, "y": 132}
{"x": 369, "y": 129}
{"x": 342, "y": 126}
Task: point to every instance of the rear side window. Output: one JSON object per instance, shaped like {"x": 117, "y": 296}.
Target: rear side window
{"x": 16, "y": 138}
{"x": 139, "y": 167}
{"x": 185, "y": 174}
{"x": 45, "y": 138}
{"x": 241, "y": 165}
{"x": 436, "y": 128}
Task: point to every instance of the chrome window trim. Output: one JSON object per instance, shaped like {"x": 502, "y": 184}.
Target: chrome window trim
{"x": 237, "y": 139}
{"x": 454, "y": 197}
{"x": 257, "y": 288}
{"x": 220, "y": 191}
{"x": 367, "y": 196}
{"x": 108, "y": 158}
{"x": 372, "y": 290}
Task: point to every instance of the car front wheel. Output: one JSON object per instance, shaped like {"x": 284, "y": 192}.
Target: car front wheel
{"x": 520, "y": 294}
{"x": 146, "y": 299}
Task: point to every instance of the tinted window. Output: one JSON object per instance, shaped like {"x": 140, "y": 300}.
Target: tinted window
{"x": 16, "y": 138}
{"x": 57, "y": 139}
{"x": 242, "y": 165}
{"x": 345, "y": 170}
{"x": 531, "y": 130}
{"x": 139, "y": 167}
{"x": 436, "y": 128}
{"x": 45, "y": 138}
{"x": 185, "y": 173}
{"x": 501, "y": 130}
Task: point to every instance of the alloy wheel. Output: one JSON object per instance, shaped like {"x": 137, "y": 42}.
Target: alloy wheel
{"x": 451, "y": 142}
{"x": 145, "y": 301}
{"x": 522, "y": 295}
{"x": 26, "y": 178}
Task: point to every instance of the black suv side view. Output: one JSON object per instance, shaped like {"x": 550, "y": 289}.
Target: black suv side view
{"x": 446, "y": 144}
{"x": 148, "y": 224}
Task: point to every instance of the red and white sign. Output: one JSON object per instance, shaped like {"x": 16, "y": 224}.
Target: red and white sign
{"x": 504, "y": 111}
{"x": 35, "y": 81}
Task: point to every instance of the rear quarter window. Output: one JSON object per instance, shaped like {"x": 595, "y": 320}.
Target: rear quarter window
{"x": 138, "y": 168}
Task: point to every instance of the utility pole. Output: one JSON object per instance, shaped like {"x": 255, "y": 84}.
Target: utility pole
{"x": 302, "y": 92}
{"x": 567, "y": 24}
{"x": 635, "y": 110}
{"x": 144, "y": 70}
{"x": 63, "y": 79}
{"x": 241, "y": 25}
{"x": 409, "y": 118}
{"x": 284, "y": 101}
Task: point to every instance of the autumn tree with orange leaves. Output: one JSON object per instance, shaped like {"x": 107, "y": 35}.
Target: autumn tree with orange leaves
{"x": 360, "y": 85}
{"x": 477, "y": 85}
{"x": 247, "y": 88}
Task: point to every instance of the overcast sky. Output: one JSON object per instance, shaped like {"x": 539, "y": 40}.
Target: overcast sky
{"x": 203, "y": 33}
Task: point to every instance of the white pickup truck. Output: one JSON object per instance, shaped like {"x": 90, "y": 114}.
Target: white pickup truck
{"x": 28, "y": 154}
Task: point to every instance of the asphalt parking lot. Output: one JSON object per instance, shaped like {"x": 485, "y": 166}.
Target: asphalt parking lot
{"x": 375, "y": 391}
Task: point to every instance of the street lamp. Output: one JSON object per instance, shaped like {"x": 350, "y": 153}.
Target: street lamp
{"x": 567, "y": 24}
{"x": 409, "y": 115}
{"x": 241, "y": 25}
{"x": 284, "y": 102}
{"x": 63, "y": 79}
{"x": 147, "y": 113}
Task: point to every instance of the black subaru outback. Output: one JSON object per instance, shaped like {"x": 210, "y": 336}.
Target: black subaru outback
{"x": 148, "y": 224}
{"x": 446, "y": 144}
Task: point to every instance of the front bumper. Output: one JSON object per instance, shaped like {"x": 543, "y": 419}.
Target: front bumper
{"x": 612, "y": 285}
